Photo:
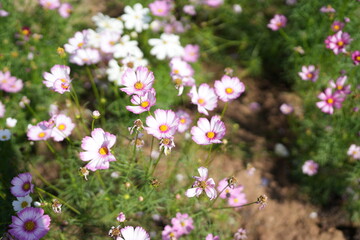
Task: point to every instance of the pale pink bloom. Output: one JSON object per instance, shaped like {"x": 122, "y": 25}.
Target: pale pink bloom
{"x": 10, "y": 83}
{"x": 214, "y": 3}
{"x": 59, "y": 79}
{"x": 166, "y": 144}
{"x": 3, "y": 13}
{"x": 225, "y": 191}
{"x": 337, "y": 26}
{"x": 201, "y": 184}
{"x": 160, "y": 8}
{"x": 22, "y": 185}
{"x": 184, "y": 120}
{"x": 143, "y": 103}
{"x": 137, "y": 81}
{"x": 63, "y": 127}
{"x": 229, "y": 88}
{"x": 163, "y": 125}
{"x": 212, "y": 237}
{"x": 327, "y": 9}
{"x": 189, "y": 9}
{"x": 286, "y": 108}
{"x": 237, "y": 198}
{"x": 183, "y": 223}
{"x": 310, "y": 167}
{"x": 355, "y": 56}
{"x": 170, "y": 233}
{"x": 97, "y": 149}
{"x": 2, "y": 110}
{"x": 39, "y": 132}
{"x": 121, "y": 217}
{"x": 338, "y": 42}
{"x": 309, "y": 73}
{"x": 205, "y": 98}
{"x": 206, "y": 132}
{"x": 240, "y": 234}
{"x": 354, "y": 151}
{"x": 50, "y": 4}
{"x": 191, "y": 53}
{"x": 79, "y": 41}
{"x": 30, "y": 224}
{"x": 129, "y": 233}
{"x": 277, "y": 22}
{"x": 340, "y": 86}
{"x": 65, "y": 10}
{"x": 329, "y": 101}
{"x": 108, "y": 40}
{"x": 86, "y": 56}
{"x": 182, "y": 74}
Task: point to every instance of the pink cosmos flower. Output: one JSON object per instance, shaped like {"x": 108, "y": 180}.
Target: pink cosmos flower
{"x": 59, "y": 79}
{"x": 63, "y": 127}
{"x": 129, "y": 233}
{"x": 189, "y": 9}
{"x": 201, "y": 184}
{"x": 86, "y": 56}
{"x": 183, "y": 223}
{"x": 286, "y": 108}
{"x": 160, "y": 8}
{"x": 205, "y": 98}
{"x": 235, "y": 196}
{"x": 39, "y": 132}
{"x": 121, "y": 217}
{"x": 355, "y": 56}
{"x": 22, "y": 185}
{"x": 79, "y": 41}
{"x": 212, "y": 237}
{"x": 163, "y": 125}
{"x": 240, "y": 234}
{"x": 229, "y": 88}
{"x": 337, "y": 26}
{"x": 309, "y": 73}
{"x": 97, "y": 149}
{"x": 214, "y": 3}
{"x": 184, "y": 120}
{"x": 354, "y": 151}
{"x": 10, "y": 83}
{"x": 2, "y": 110}
{"x": 327, "y": 9}
{"x": 30, "y": 224}
{"x": 166, "y": 144}
{"x": 108, "y": 40}
{"x": 277, "y": 22}
{"x": 310, "y": 167}
{"x": 182, "y": 74}
{"x": 3, "y": 13}
{"x": 329, "y": 101}
{"x": 65, "y": 10}
{"x": 143, "y": 103}
{"x": 50, "y": 4}
{"x": 137, "y": 82}
{"x": 191, "y": 53}
{"x": 170, "y": 233}
{"x": 340, "y": 86}
{"x": 338, "y": 42}
{"x": 206, "y": 132}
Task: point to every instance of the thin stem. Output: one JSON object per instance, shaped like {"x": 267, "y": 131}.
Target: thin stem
{"x": 93, "y": 85}
{"x": 248, "y": 204}
{"x": 224, "y": 110}
{"x": 156, "y": 163}
{"x": 207, "y": 161}
{"x": 134, "y": 151}
{"x": 50, "y": 147}
{"x": 44, "y": 180}
{"x": 100, "y": 179}
{"x": 92, "y": 124}
{"x": 218, "y": 195}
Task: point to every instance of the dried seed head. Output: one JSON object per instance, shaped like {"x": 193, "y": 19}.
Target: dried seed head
{"x": 155, "y": 182}
{"x": 262, "y": 200}
{"x": 84, "y": 172}
{"x": 229, "y": 71}
{"x": 232, "y": 182}
{"x": 56, "y": 206}
{"x": 115, "y": 232}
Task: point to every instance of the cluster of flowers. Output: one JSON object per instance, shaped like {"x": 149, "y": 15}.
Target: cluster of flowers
{"x": 354, "y": 151}
{"x": 64, "y": 9}
{"x": 182, "y": 225}
{"x": 10, "y": 83}
{"x": 30, "y": 223}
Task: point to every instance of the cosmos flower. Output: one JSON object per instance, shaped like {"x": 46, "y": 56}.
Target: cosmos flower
{"x": 286, "y": 108}
{"x": 279, "y": 21}
{"x": 143, "y": 103}
{"x": 30, "y": 224}
{"x": 189, "y": 9}
{"x": 63, "y": 127}
{"x": 184, "y": 120}
{"x": 21, "y": 203}
{"x": 168, "y": 46}
{"x": 39, "y": 132}
{"x": 127, "y": 47}
{"x": 5, "y": 134}
{"x": 170, "y": 233}
{"x": 121, "y": 217}
{"x": 205, "y": 98}
{"x": 191, "y": 53}
{"x": 97, "y": 149}
{"x": 137, "y": 82}
{"x": 214, "y": 3}
{"x": 10, "y": 83}
{"x": 183, "y": 223}
{"x": 207, "y": 132}
{"x": 212, "y": 237}
{"x": 106, "y": 23}
{"x": 310, "y": 167}
{"x": 131, "y": 233}
{"x": 329, "y": 100}
{"x": 49, "y": 4}
{"x": 337, "y": 26}
{"x": 202, "y": 183}
{"x": 355, "y": 56}
{"x": 229, "y": 88}
{"x": 163, "y": 125}
{"x": 327, "y": 9}
{"x": 160, "y": 8}
{"x": 354, "y": 151}
{"x": 240, "y": 234}
{"x": 22, "y": 185}
{"x": 79, "y": 41}
{"x": 59, "y": 79}
{"x": 86, "y": 56}
{"x": 338, "y": 42}
{"x": 65, "y": 10}
{"x": 136, "y": 18}
{"x": 340, "y": 86}
{"x": 167, "y": 144}
{"x": 309, "y": 73}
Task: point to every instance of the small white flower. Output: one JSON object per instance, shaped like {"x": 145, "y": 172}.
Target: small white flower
{"x": 136, "y": 18}
{"x": 5, "y": 134}
{"x": 21, "y": 203}
{"x": 167, "y": 46}
{"x": 11, "y": 122}
{"x": 281, "y": 150}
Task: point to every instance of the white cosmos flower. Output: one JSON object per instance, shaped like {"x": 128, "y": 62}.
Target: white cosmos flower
{"x": 167, "y": 46}
{"x": 129, "y": 233}
{"x": 11, "y": 122}
{"x": 127, "y": 47}
{"x": 136, "y": 18}
{"x": 106, "y": 23}
{"x": 21, "y": 203}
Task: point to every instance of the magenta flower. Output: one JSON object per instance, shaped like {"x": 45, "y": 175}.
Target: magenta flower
{"x": 355, "y": 56}
{"x": 170, "y": 233}
{"x": 160, "y": 8}
{"x": 30, "y": 224}
{"x": 121, "y": 217}
{"x": 201, "y": 184}
{"x": 329, "y": 101}
{"x": 184, "y": 120}
{"x": 97, "y": 149}
{"x": 137, "y": 82}
{"x": 50, "y": 4}
{"x": 338, "y": 42}
{"x": 22, "y": 185}
{"x": 189, "y": 9}
{"x": 143, "y": 103}
{"x": 240, "y": 234}
{"x": 191, "y": 53}
{"x": 214, "y": 3}
{"x": 310, "y": 167}
{"x": 286, "y": 108}
{"x": 309, "y": 73}
{"x": 207, "y": 132}
{"x": 337, "y": 26}
{"x": 65, "y": 10}
{"x": 131, "y": 233}
{"x": 183, "y": 223}
{"x": 10, "y": 83}
{"x": 340, "y": 86}
{"x": 229, "y": 88}
{"x": 277, "y": 22}
{"x": 235, "y": 196}
{"x": 59, "y": 79}
{"x": 205, "y": 98}
{"x": 163, "y": 125}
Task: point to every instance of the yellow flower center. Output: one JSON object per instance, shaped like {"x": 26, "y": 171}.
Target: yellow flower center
{"x": 24, "y": 204}
{"x": 29, "y": 226}
{"x": 130, "y": 64}
{"x": 309, "y": 75}
{"x": 210, "y": 135}
{"x": 26, "y": 186}
{"x": 41, "y": 135}
{"x": 4, "y": 137}
{"x": 182, "y": 223}
{"x": 229, "y": 90}
{"x": 103, "y": 151}
{"x": 358, "y": 58}
{"x": 163, "y": 128}
{"x": 236, "y": 200}
{"x": 112, "y": 43}
{"x": 330, "y": 101}
{"x": 145, "y": 104}
{"x": 201, "y": 101}
{"x": 178, "y": 81}
{"x": 176, "y": 71}
{"x": 25, "y": 32}
{"x": 166, "y": 141}
{"x": 340, "y": 43}
{"x": 61, "y": 127}
{"x": 182, "y": 120}
{"x": 139, "y": 85}
{"x": 339, "y": 87}
{"x": 80, "y": 45}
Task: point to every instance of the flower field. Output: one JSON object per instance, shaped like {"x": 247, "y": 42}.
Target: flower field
{"x": 189, "y": 119}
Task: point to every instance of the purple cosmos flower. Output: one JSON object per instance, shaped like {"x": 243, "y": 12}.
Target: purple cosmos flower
{"x": 189, "y": 9}
{"x": 310, "y": 167}
{"x": 65, "y": 10}
{"x": 201, "y": 184}
{"x": 49, "y": 4}
{"x": 355, "y": 56}
{"x": 143, "y": 103}
{"x": 240, "y": 234}
{"x": 338, "y": 42}
{"x": 329, "y": 101}
{"x": 337, "y": 26}
{"x": 235, "y": 196}
{"x": 163, "y": 125}
{"x": 22, "y": 185}
{"x": 207, "y": 132}
{"x": 309, "y": 73}
{"x": 340, "y": 86}
{"x": 30, "y": 224}
{"x": 137, "y": 82}
{"x": 191, "y": 53}
{"x": 205, "y": 98}
{"x": 277, "y": 22}
{"x": 229, "y": 88}
{"x": 121, "y": 217}
{"x": 183, "y": 223}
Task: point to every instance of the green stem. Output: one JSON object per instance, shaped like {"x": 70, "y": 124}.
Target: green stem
{"x": 156, "y": 163}
{"x": 248, "y": 204}
{"x": 100, "y": 179}
{"x": 224, "y": 110}
{"x": 134, "y": 151}
{"x": 93, "y": 85}
{"x": 50, "y": 147}
{"x": 92, "y": 124}
{"x": 207, "y": 161}
{"x": 44, "y": 180}
{"x": 213, "y": 202}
